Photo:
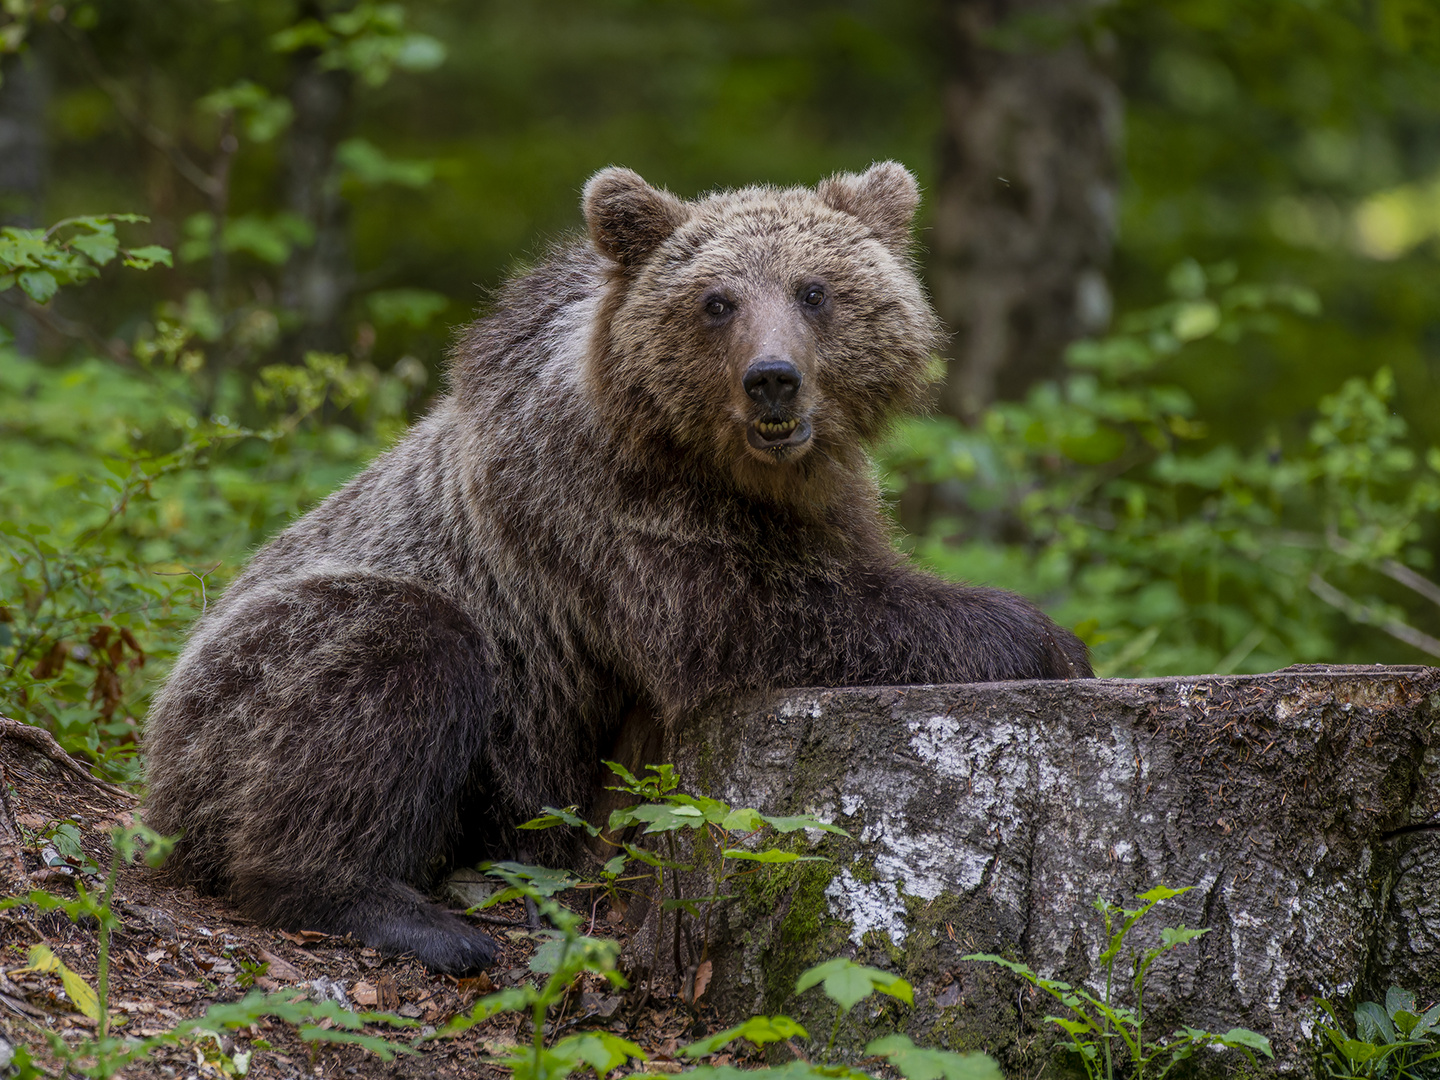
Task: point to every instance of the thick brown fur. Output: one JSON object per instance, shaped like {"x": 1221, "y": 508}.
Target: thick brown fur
{"x": 592, "y": 521}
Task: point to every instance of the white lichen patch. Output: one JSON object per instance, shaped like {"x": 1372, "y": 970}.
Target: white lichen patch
{"x": 794, "y": 707}
{"x": 867, "y": 906}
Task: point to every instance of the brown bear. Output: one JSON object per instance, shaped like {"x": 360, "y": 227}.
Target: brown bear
{"x": 647, "y": 486}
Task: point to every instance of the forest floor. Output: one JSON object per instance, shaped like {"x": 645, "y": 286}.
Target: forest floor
{"x": 176, "y": 953}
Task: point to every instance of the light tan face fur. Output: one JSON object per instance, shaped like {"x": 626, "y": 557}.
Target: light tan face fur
{"x": 817, "y": 279}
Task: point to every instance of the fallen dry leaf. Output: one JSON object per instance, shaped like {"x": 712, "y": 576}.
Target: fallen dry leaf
{"x": 280, "y": 968}
{"x": 702, "y": 979}
{"x": 362, "y": 993}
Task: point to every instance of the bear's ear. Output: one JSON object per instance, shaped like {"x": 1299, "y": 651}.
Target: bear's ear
{"x": 628, "y": 219}
{"x": 884, "y": 197}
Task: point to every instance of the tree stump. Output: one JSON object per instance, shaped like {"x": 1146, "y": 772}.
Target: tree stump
{"x": 1302, "y": 806}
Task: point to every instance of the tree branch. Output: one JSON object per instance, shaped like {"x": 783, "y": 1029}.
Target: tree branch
{"x": 1368, "y": 616}
{"x": 156, "y": 137}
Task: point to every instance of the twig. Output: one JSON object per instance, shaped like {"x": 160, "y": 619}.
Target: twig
{"x": 187, "y": 572}
{"x": 1395, "y": 571}
{"x": 1411, "y": 580}
{"x": 1364, "y": 614}
{"x": 72, "y": 328}
{"x": 156, "y": 137}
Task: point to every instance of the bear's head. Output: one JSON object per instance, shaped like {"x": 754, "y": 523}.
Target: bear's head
{"x": 771, "y": 332}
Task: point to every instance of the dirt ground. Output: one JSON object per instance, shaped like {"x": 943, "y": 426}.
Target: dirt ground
{"x": 177, "y": 953}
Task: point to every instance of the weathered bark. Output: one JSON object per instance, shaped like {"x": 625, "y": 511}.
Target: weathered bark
{"x": 1303, "y": 807}
{"x": 1025, "y": 211}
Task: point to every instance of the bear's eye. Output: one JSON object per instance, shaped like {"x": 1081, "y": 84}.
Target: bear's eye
{"x": 717, "y": 307}
{"x": 812, "y": 296}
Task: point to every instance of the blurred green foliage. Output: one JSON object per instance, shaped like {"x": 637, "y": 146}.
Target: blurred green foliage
{"x": 1167, "y": 553}
{"x": 1238, "y": 477}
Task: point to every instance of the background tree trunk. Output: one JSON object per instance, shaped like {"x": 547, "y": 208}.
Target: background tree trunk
{"x": 1303, "y": 807}
{"x": 24, "y": 92}
{"x": 1026, "y": 206}
{"x": 318, "y": 279}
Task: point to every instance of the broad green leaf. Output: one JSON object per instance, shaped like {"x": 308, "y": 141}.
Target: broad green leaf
{"x": 1023, "y": 970}
{"x": 846, "y": 983}
{"x": 622, "y": 772}
{"x": 917, "y": 1063}
{"x": 1075, "y": 1028}
{"x": 1248, "y": 1039}
{"x": 1195, "y": 320}
{"x": 649, "y": 858}
{"x": 665, "y": 817}
{"x": 76, "y": 988}
{"x": 578, "y": 954}
{"x": 712, "y": 810}
{"x": 380, "y": 1047}
{"x": 1170, "y": 937}
{"x": 1163, "y": 892}
{"x": 1405, "y": 1022}
{"x": 770, "y": 855}
{"x": 143, "y": 258}
{"x": 1397, "y": 999}
{"x": 796, "y": 822}
{"x": 1372, "y": 1024}
{"x": 613, "y": 866}
{"x": 553, "y": 816}
{"x": 544, "y": 881}
{"x": 39, "y": 285}
{"x": 758, "y": 1030}
{"x": 601, "y": 1050}
{"x": 746, "y": 819}
{"x": 1355, "y": 1050}
{"x": 99, "y": 247}
{"x": 512, "y": 999}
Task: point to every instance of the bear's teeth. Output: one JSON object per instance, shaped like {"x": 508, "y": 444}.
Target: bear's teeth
{"x": 784, "y": 427}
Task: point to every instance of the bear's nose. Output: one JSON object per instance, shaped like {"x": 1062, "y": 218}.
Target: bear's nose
{"x": 771, "y": 381}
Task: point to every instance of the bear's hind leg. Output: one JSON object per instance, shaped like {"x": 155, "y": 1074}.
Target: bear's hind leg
{"x": 324, "y": 784}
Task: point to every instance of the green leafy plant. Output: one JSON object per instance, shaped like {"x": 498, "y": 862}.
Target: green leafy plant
{"x": 564, "y": 956}
{"x": 106, "y": 1054}
{"x": 40, "y": 261}
{"x": 568, "y": 954}
{"x": 1098, "y": 1021}
{"x": 846, "y": 983}
{"x": 369, "y": 40}
{"x": 1396, "y": 1040}
{"x": 1166, "y": 552}
{"x": 117, "y": 533}
{"x": 728, "y": 843}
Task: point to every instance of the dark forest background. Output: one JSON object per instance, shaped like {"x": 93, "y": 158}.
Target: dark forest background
{"x": 1187, "y": 250}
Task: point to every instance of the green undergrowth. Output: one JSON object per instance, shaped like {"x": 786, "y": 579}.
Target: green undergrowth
{"x": 107, "y": 1054}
